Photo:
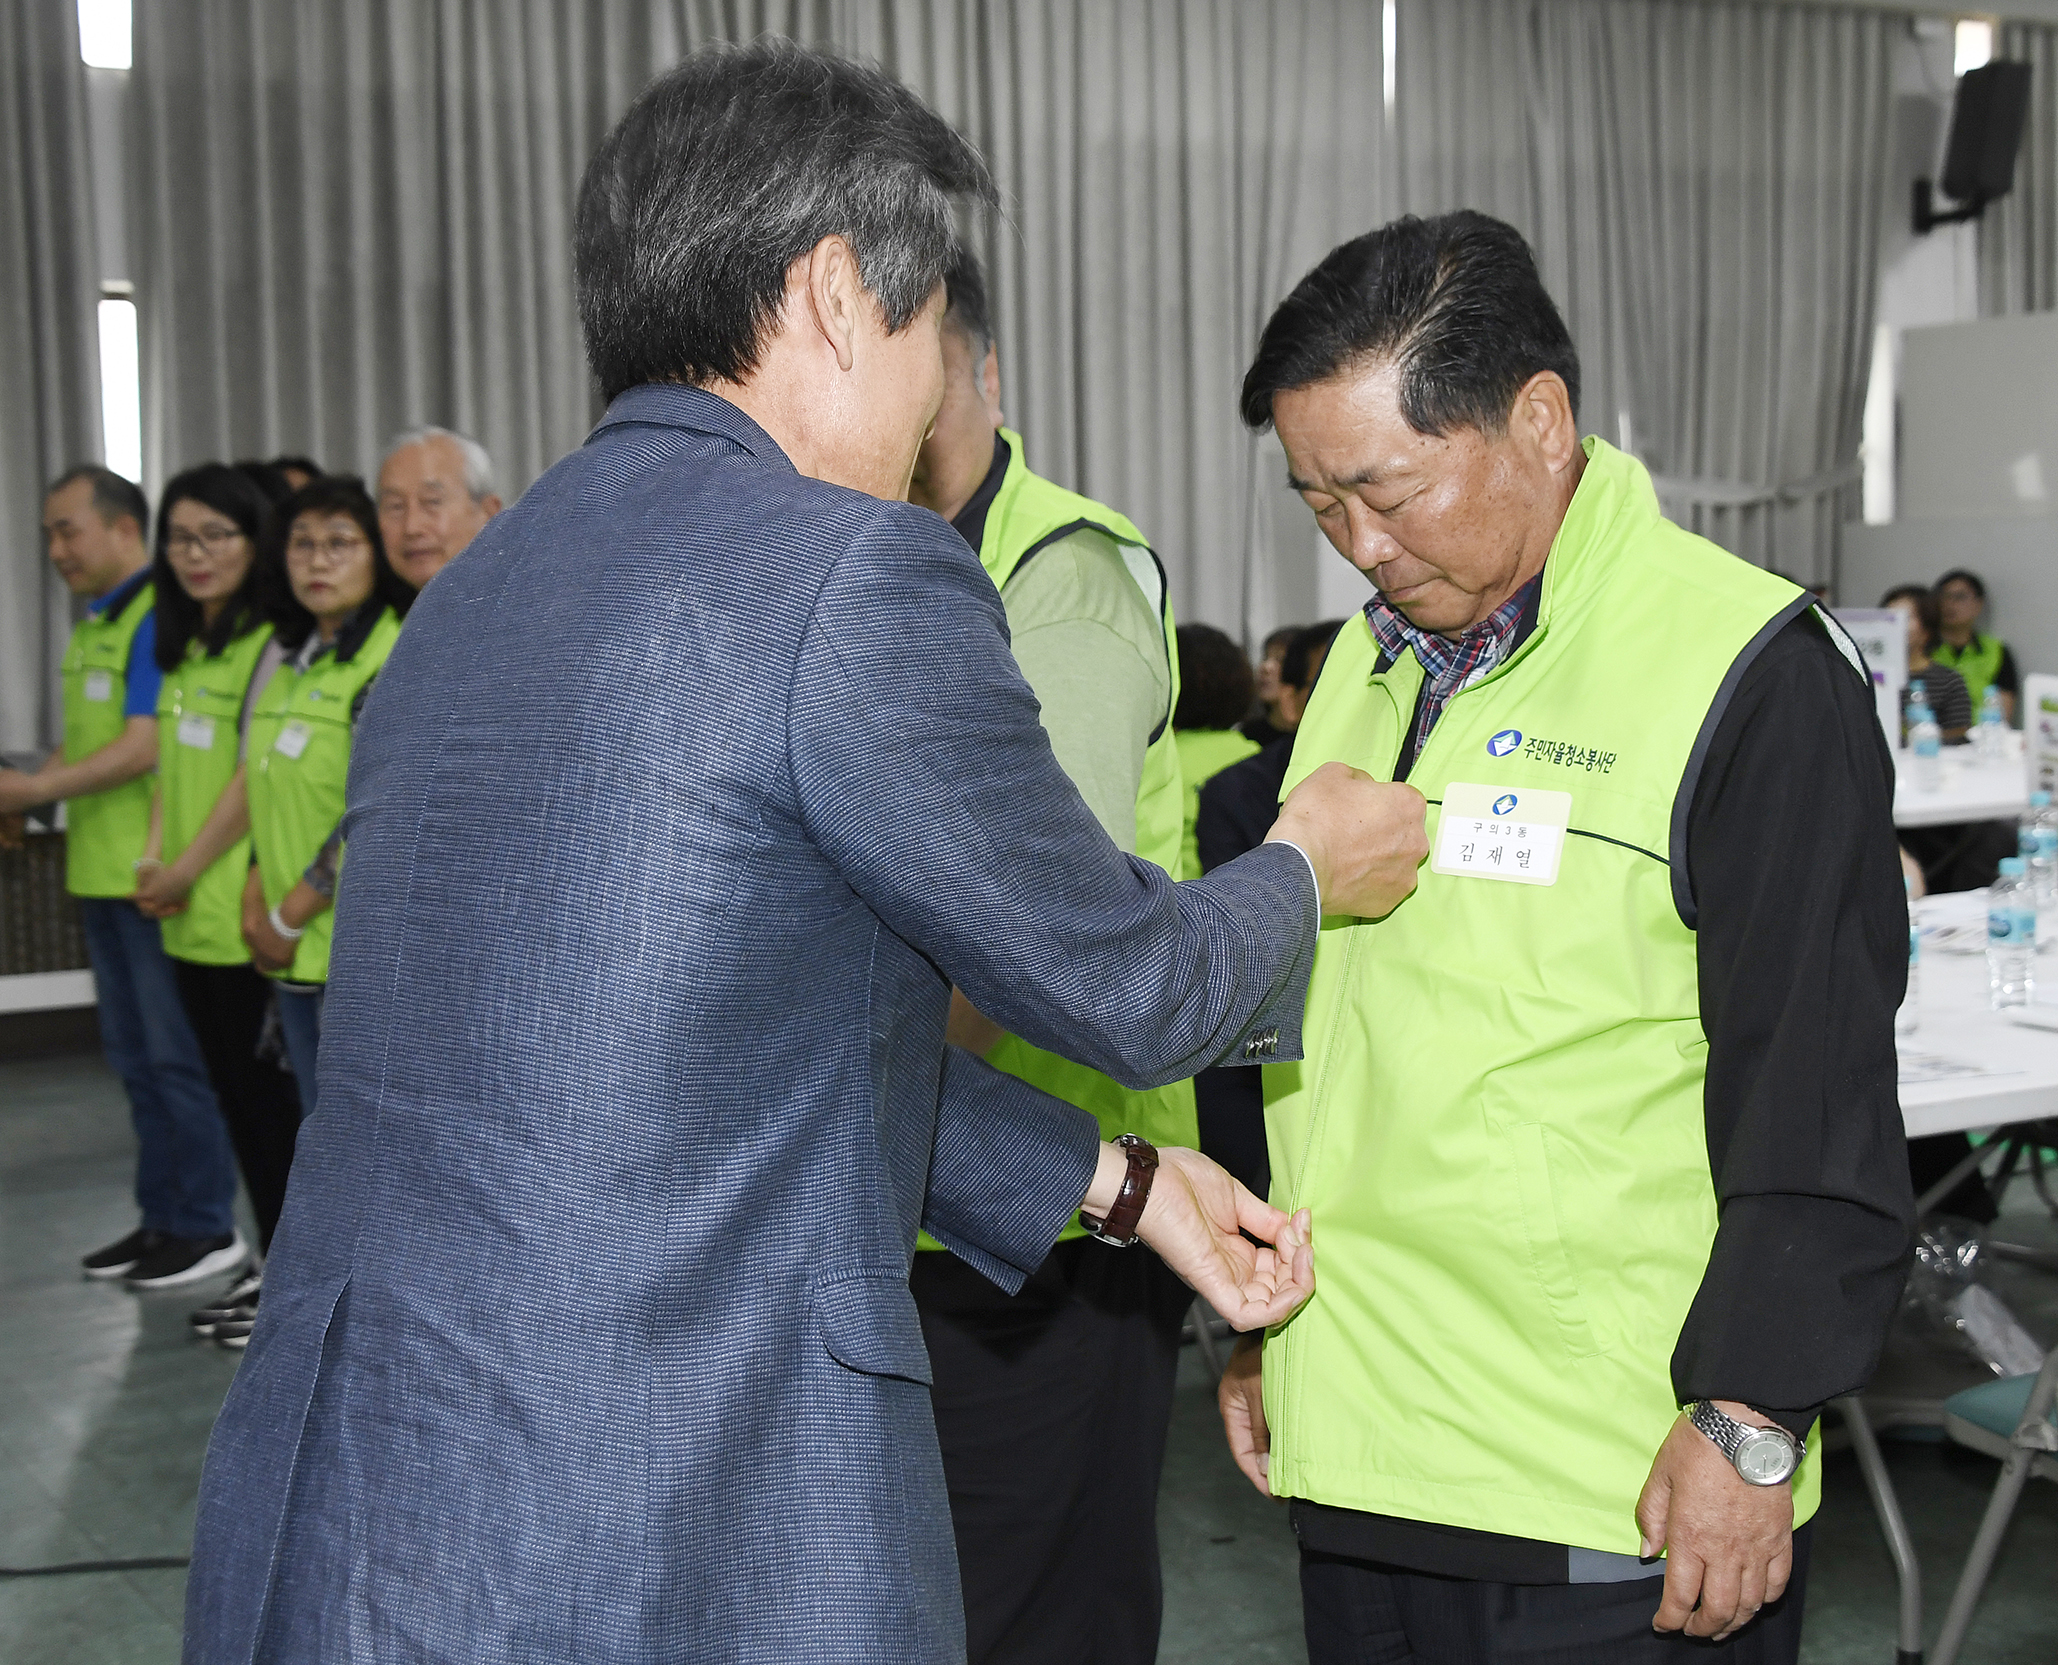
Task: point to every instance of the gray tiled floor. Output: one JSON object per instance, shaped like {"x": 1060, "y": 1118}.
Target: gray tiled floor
{"x": 105, "y": 1404}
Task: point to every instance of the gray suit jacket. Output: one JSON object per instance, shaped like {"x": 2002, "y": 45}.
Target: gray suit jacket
{"x": 688, "y": 792}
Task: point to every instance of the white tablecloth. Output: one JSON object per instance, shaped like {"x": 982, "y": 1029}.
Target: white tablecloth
{"x": 2010, "y": 1059}
{"x": 1971, "y": 789}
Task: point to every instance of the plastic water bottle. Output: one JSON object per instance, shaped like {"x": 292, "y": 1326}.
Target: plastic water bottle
{"x": 1910, "y": 1014}
{"x": 2011, "y": 937}
{"x": 1989, "y": 739}
{"x": 1925, "y": 742}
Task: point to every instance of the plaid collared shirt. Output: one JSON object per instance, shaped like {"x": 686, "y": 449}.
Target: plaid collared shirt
{"x": 1448, "y": 666}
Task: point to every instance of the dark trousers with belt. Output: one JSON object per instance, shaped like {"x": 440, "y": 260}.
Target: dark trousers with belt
{"x": 1052, "y": 1407}
{"x": 260, "y": 1104}
{"x": 1361, "y": 1613}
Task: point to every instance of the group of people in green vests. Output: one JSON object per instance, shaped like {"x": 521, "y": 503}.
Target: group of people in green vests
{"x": 210, "y": 690}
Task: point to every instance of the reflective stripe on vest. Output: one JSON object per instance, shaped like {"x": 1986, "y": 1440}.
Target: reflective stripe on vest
{"x": 1498, "y": 1123}
{"x": 198, "y": 709}
{"x": 299, "y": 765}
{"x": 104, "y": 831}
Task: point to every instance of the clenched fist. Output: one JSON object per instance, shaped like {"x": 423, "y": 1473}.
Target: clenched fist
{"x": 1366, "y": 838}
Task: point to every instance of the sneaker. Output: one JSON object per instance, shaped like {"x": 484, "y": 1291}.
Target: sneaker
{"x": 239, "y": 1300}
{"x": 117, "y": 1258}
{"x": 184, "y": 1260}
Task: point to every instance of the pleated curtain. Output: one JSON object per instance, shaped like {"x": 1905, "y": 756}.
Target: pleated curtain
{"x": 50, "y": 413}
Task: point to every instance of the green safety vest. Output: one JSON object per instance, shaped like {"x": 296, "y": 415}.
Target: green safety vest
{"x": 1028, "y": 515}
{"x": 299, "y": 764}
{"x": 1498, "y": 1122}
{"x": 1978, "y": 662}
{"x": 104, "y": 831}
{"x": 198, "y": 709}
{"x": 1203, "y": 754}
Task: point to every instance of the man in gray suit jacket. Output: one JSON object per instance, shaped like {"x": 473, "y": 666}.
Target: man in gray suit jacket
{"x": 692, "y": 787}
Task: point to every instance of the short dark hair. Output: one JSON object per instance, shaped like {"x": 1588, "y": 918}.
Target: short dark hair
{"x": 299, "y": 465}
{"x": 1958, "y": 575}
{"x": 1214, "y": 679}
{"x": 1926, "y": 608}
{"x": 1282, "y": 638}
{"x": 113, "y": 495}
{"x": 340, "y": 494}
{"x": 728, "y": 169}
{"x": 1454, "y": 302}
{"x": 965, "y": 305}
{"x": 1302, "y": 663}
{"x": 230, "y": 492}
{"x": 267, "y": 477}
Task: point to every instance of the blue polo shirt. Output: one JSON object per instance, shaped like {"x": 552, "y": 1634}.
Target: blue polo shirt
{"x": 140, "y": 675}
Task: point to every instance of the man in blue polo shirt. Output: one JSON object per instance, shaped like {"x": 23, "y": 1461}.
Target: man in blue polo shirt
{"x": 93, "y": 523}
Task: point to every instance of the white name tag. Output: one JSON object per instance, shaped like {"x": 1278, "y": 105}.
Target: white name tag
{"x": 100, "y": 686}
{"x": 292, "y": 739}
{"x": 1502, "y": 832}
{"x": 197, "y": 732}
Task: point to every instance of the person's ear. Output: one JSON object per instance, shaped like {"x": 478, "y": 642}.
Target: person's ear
{"x": 1543, "y": 415}
{"x": 836, "y": 297}
{"x": 490, "y": 505}
{"x": 989, "y": 383}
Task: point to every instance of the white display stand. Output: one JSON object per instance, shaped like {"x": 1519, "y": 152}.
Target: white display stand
{"x": 2039, "y": 712}
{"x": 1882, "y": 636}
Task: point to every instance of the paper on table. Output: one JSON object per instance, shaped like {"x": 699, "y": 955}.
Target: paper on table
{"x": 1919, "y": 1067}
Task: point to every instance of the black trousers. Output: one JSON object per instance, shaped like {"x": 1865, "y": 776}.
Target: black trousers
{"x": 226, "y": 1004}
{"x": 1052, "y": 1407}
{"x": 1358, "y": 1613}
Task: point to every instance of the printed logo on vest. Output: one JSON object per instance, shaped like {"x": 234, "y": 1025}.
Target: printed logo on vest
{"x": 1504, "y": 742}
{"x": 1504, "y": 804}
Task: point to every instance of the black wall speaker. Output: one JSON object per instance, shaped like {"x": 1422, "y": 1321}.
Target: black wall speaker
{"x": 1987, "y": 118}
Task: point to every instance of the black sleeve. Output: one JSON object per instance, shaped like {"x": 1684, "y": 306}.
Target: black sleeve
{"x": 1803, "y": 958}
{"x": 1239, "y": 804}
{"x": 2006, "y": 677}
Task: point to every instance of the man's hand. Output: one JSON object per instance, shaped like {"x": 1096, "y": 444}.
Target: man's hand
{"x": 1195, "y": 1220}
{"x": 17, "y": 792}
{"x": 160, "y": 892}
{"x": 14, "y": 831}
{"x": 1365, "y": 837}
{"x": 1728, "y": 1546}
{"x": 1241, "y": 1395}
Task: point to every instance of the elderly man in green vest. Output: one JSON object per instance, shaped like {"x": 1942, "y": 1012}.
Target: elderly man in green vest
{"x": 1599, "y": 1127}
{"x": 1052, "y": 1405}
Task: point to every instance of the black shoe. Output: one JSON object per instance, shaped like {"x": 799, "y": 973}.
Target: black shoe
{"x": 117, "y": 1258}
{"x": 239, "y": 1300}
{"x": 184, "y": 1260}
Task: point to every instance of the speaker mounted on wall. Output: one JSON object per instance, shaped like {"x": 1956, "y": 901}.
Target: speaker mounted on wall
{"x": 1987, "y": 117}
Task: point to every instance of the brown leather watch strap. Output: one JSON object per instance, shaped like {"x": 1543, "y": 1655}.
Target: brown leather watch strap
{"x": 1118, "y": 1230}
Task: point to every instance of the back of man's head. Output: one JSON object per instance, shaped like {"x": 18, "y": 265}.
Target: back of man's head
{"x": 1305, "y": 654}
{"x": 965, "y": 305}
{"x": 731, "y": 167}
{"x": 113, "y": 497}
{"x": 1455, "y": 303}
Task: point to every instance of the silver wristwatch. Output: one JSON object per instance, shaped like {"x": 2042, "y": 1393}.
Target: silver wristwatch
{"x": 1762, "y": 1456}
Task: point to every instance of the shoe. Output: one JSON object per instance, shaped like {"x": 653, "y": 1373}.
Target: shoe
{"x": 184, "y": 1260}
{"x": 117, "y": 1258}
{"x": 239, "y": 1300}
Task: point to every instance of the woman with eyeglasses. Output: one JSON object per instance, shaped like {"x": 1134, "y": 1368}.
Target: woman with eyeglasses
{"x": 336, "y": 603}
{"x": 211, "y": 636}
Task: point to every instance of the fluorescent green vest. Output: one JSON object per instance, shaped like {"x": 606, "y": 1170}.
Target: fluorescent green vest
{"x": 1028, "y": 514}
{"x": 197, "y": 711}
{"x": 299, "y": 764}
{"x": 1498, "y": 1123}
{"x": 104, "y": 831}
{"x": 1978, "y": 662}
{"x": 1203, "y": 754}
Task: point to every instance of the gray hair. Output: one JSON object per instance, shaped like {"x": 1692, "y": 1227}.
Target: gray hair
{"x": 478, "y": 467}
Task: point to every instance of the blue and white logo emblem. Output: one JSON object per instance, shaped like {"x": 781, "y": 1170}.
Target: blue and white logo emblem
{"x": 1504, "y": 742}
{"x": 1504, "y": 804}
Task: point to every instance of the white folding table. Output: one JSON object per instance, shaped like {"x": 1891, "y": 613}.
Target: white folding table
{"x": 1971, "y": 789}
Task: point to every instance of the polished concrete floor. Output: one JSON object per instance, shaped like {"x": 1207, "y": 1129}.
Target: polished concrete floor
{"x": 105, "y": 1404}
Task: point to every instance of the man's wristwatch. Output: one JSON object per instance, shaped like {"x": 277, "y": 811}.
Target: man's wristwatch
{"x": 1118, "y": 1230}
{"x": 1762, "y": 1456}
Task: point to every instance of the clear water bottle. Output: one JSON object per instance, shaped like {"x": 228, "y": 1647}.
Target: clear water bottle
{"x": 1910, "y": 1014}
{"x": 1989, "y": 739}
{"x": 1925, "y": 742}
{"x": 2011, "y": 937}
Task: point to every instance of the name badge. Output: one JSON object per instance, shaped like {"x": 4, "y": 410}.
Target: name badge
{"x": 1501, "y": 832}
{"x": 292, "y": 739}
{"x": 197, "y": 732}
{"x": 99, "y": 686}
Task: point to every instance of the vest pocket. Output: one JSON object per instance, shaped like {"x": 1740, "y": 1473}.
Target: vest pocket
{"x": 1529, "y": 1147}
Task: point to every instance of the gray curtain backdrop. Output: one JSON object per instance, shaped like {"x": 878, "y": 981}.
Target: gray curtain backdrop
{"x": 49, "y": 342}
{"x": 1703, "y": 185}
{"x": 2018, "y": 236}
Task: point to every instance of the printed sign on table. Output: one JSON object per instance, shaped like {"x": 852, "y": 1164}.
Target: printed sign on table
{"x": 1882, "y": 636}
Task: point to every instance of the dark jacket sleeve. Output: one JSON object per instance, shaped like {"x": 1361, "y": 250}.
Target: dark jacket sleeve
{"x": 922, "y": 771}
{"x": 1239, "y": 805}
{"x": 1803, "y": 956}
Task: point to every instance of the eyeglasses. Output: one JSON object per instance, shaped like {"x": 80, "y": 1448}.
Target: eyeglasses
{"x": 338, "y": 549}
{"x": 214, "y": 539}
